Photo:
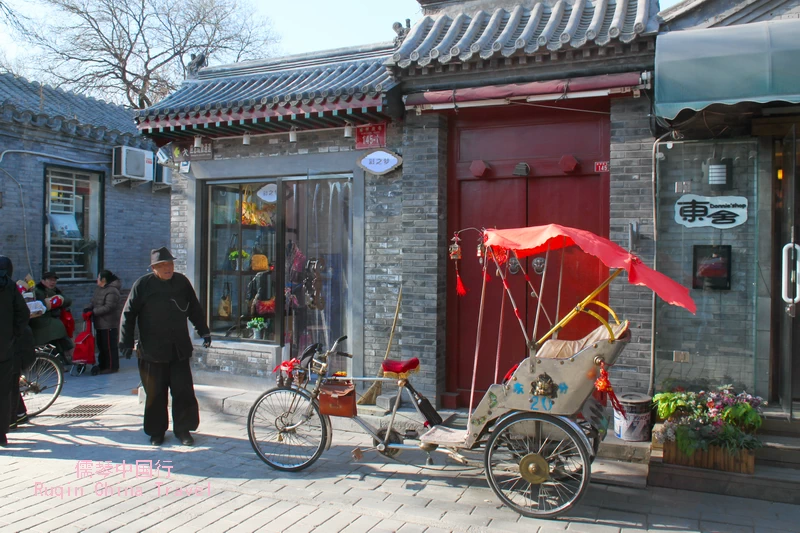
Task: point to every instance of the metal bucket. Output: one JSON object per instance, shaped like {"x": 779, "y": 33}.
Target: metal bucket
{"x": 635, "y": 426}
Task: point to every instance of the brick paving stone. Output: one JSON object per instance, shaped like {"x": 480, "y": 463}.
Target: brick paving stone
{"x": 458, "y": 518}
{"x": 672, "y": 523}
{"x": 362, "y": 524}
{"x": 412, "y": 528}
{"x": 592, "y": 528}
{"x": 621, "y": 519}
{"x": 718, "y": 527}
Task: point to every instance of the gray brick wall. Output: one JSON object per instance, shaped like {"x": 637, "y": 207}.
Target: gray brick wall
{"x": 383, "y": 271}
{"x": 136, "y": 219}
{"x": 424, "y": 243}
{"x": 631, "y": 201}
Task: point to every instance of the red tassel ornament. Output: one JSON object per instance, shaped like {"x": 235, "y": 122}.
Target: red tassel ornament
{"x": 603, "y": 384}
{"x": 461, "y": 290}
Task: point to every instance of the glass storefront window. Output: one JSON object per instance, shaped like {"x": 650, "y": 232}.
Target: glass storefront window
{"x": 708, "y": 246}
{"x": 290, "y": 274}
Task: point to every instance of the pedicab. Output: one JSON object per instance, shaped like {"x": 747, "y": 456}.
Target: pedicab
{"x": 535, "y": 433}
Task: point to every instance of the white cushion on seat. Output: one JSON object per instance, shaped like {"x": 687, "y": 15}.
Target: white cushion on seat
{"x": 558, "y": 349}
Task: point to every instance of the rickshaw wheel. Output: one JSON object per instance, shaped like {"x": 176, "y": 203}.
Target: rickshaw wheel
{"x": 537, "y": 464}
{"x": 286, "y": 429}
{"x": 394, "y": 438}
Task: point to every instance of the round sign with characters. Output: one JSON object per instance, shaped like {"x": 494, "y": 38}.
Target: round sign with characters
{"x": 268, "y": 193}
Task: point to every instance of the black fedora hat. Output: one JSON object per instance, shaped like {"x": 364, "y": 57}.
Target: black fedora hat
{"x": 161, "y": 255}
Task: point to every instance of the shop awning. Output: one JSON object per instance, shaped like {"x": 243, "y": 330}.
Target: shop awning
{"x": 757, "y": 62}
{"x": 562, "y": 89}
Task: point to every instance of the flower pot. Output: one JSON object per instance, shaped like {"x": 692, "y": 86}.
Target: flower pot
{"x": 258, "y": 333}
{"x": 715, "y": 458}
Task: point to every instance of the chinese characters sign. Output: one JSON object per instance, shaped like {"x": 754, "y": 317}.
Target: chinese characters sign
{"x": 371, "y": 136}
{"x": 720, "y": 212}
{"x": 380, "y": 162}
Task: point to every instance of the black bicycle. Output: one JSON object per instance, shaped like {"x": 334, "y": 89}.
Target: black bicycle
{"x": 41, "y": 383}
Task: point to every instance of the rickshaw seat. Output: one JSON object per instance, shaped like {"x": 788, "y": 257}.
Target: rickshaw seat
{"x": 400, "y": 369}
{"x": 564, "y": 349}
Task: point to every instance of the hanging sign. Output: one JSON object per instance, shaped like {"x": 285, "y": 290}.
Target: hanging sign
{"x": 721, "y": 212}
{"x": 371, "y": 136}
{"x": 188, "y": 152}
{"x": 380, "y": 162}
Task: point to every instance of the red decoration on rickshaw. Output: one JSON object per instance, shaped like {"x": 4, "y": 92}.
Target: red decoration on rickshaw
{"x": 603, "y": 384}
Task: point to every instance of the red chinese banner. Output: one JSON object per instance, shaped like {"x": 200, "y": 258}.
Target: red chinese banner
{"x": 371, "y": 136}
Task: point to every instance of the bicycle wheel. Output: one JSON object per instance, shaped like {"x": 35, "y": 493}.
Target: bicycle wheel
{"x": 41, "y": 384}
{"x": 537, "y": 464}
{"x": 286, "y": 429}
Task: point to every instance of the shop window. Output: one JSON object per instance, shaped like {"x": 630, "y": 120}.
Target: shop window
{"x": 73, "y": 225}
{"x": 280, "y": 281}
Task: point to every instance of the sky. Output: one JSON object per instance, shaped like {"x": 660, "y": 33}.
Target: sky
{"x": 318, "y": 25}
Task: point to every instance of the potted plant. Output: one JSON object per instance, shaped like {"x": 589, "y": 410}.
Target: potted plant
{"x": 257, "y": 326}
{"x": 237, "y": 257}
{"x": 710, "y": 429}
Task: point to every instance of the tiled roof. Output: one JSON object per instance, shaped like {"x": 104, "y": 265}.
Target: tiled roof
{"x": 339, "y": 79}
{"x": 46, "y": 102}
{"x": 530, "y": 27}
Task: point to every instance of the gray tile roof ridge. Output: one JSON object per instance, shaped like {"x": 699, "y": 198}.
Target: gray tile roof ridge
{"x": 311, "y": 60}
{"x": 678, "y": 9}
{"x": 43, "y": 99}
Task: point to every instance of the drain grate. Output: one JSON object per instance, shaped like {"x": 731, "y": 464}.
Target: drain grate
{"x": 85, "y": 411}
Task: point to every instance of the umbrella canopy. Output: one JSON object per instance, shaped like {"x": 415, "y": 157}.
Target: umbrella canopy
{"x": 538, "y": 239}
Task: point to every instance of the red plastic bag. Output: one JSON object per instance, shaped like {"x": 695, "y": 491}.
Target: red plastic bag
{"x": 69, "y": 321}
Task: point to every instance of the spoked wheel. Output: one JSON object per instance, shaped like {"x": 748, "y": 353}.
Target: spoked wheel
{"x": 41, "y": 384}
{"x": 286, "y": 429}
{"x": 537, "y": 464}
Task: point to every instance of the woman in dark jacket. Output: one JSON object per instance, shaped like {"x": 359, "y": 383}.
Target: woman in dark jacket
{"x": 14, "y": 315}
{"x": 105, "y": 308}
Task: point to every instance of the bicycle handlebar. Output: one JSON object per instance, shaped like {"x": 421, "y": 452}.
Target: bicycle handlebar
{"x": 344, "y": 354}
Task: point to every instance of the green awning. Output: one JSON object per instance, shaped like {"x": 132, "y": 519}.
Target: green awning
{"x": 757, "y": 62}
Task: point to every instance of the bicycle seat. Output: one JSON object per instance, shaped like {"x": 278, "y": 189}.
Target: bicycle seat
{"x": 400, "y": 369}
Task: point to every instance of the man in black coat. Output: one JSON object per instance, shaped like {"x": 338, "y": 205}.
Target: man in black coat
{"x": 14, "y": 315}
{"x": 160, "y": 303}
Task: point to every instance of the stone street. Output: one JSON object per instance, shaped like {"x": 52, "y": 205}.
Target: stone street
{"x": 79, "y": 474}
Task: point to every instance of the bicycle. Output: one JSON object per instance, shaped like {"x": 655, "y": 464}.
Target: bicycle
{"x": 42, "y": 382}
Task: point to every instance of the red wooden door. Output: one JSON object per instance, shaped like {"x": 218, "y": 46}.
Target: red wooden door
{"x": 503, "y": 140}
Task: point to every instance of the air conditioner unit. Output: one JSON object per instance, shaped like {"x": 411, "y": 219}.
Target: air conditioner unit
{"x": 133, "y": 163}
{"x": 163, "y": 175}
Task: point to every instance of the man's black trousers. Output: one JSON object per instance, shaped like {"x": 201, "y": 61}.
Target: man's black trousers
{"x": 157, "y": 379}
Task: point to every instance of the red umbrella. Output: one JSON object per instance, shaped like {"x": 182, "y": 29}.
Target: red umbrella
{"x": 538, "y": 239}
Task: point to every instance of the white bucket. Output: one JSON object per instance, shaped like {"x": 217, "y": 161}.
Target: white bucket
{"x": 635, "y": 427}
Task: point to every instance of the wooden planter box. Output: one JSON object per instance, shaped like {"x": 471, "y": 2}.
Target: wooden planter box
{"x": 716, "y": 458}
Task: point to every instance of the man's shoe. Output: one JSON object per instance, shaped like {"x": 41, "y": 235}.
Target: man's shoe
{"x": 157, "y": 440}
{"x": 3, "y": 440}
{"x": 185, "y": 438}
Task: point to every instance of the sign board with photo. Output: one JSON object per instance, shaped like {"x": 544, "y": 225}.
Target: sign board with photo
{"x": 721, "y": 212}
{"x": 64, "y": 226}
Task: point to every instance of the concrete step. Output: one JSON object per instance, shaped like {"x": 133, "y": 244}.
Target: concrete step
{"x": 780, "y": 451}
{"x": 770, "y": 483}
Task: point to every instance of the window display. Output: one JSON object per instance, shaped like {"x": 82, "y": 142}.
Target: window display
{"x": 245, "y": 268}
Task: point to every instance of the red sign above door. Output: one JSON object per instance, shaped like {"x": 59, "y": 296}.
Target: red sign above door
{"x": 371, "y": 136}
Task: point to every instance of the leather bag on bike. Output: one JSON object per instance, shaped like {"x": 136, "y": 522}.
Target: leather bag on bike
{"x": 338, "y": 399}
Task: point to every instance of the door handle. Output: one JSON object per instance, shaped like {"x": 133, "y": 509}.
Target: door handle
{"x": 786, "y": 273}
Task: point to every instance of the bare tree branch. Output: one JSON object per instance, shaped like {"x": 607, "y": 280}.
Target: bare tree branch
{"x": 135, "y": 51}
